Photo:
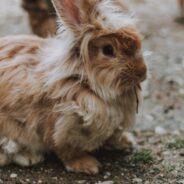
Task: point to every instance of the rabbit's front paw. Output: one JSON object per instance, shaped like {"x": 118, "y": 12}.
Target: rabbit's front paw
{"x": 27, "y": 159}
{"x": 85, "y": 164}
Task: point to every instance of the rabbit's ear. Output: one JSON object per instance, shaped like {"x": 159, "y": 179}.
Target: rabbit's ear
{"x": 68, "y": 11}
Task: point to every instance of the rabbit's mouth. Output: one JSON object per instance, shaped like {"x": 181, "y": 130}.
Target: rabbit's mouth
{"x": 133, "y": 75}
{"x": 132, "y": 82}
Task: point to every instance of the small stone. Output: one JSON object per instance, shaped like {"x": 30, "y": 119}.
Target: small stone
{"x": 180, "y": 182}
{"x": 175, "y": 132}
{"x": 161, "y": 175}
{"x": 166, "y": 153}
{"x": 105, "y": 182}
{"x": 55, "y": 178}
{"x": 1, "y": 181}
{"x": 40, "y": 181}
{"x": 149, "y": 117}
{"x": 160, "y": 130}
{"x": 147, "y": 182}
{"x": 137, "y": 180}
{"x": 107, "y": 174}
{"x": 181, "y": 92}
{"x": 81, "y": 182}
{"x": 152, "y": 171}
{"x": 13, "y": 175}
{"x": 105, "y": 177}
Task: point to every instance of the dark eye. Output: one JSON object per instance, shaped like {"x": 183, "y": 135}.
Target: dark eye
{"x": 108, "y": 50}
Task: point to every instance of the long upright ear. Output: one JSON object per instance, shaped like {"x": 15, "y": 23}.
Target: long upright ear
{"x": 68, "y": 11}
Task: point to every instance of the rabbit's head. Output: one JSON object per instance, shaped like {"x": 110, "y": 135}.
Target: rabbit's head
{"x": 106, "y": 43}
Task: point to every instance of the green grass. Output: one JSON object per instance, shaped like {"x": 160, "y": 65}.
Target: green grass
{"x": 177, "y": 144}
{"x": 145, "y": 156}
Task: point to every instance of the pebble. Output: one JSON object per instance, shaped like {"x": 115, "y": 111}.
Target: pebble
{"x": 55, "y": 178}
{"x": 181, "y": 91}
{"x": 147, "y": 182}
{"x": 175, "y": 132}
{"x": 13, "y": 175}
{"x": 161, "y": 175}
{"x": 81, "y": 182}
{"x": 105, "y": 177}
{"x": 105, "y": 182}
{"x": 149, "y": 117}
{"x": 180, "y": 182}
{"x": 107, "y": 174}
{"x": 137, "y": 180}
{"x": 1, "y": 181}
{"x": 160, "y": 130}
{"x": 166, "y": 153}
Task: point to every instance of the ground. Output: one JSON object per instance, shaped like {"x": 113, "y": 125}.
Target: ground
{"x": 159, "y": 154}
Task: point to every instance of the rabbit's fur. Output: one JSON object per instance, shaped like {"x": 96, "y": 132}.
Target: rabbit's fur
{"x": 74, "y": 93}
{"x": 181, "y": 4}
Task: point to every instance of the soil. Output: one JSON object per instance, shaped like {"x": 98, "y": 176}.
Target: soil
{"x": 158, "y": 157}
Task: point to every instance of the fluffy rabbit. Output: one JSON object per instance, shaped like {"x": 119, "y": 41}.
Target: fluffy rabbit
{"x": 42, "y": 17}
{"x": 74, "y": 93}
{"x": 181, "y": 4}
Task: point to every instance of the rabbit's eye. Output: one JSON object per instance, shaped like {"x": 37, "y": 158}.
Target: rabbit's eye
{"x": 108, "y": 50}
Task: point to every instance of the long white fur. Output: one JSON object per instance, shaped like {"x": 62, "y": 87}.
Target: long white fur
{"x": 55, "y": 54}
{"x": 113, "y": 16}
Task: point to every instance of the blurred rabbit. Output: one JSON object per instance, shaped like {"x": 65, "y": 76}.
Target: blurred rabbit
{"x": 42, "y": 16}
{"x": 181, "y": 4}
{"x": 74, "y": 93}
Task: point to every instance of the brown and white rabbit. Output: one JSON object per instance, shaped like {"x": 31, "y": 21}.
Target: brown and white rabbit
{"x": 74, "y": 93}
{"x": 181, "y": 5}
{"x": 42, "y": 16}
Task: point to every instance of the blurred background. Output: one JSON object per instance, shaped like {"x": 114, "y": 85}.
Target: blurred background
{"x": 162, "y": 111}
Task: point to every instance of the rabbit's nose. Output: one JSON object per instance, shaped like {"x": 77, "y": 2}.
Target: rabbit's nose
{"x": 141, "y": 70}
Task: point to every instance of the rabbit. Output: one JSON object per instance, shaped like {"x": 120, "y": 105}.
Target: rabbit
{"x": 181, "y": 5}
{"x": 42, "y": 16}
{"x": 73, "y": 93}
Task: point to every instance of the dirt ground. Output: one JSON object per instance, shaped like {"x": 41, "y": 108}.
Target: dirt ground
{"x": 159, "y": 132}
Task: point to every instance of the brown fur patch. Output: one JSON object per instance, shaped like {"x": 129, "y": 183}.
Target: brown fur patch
{"x": 12, "y": 53}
